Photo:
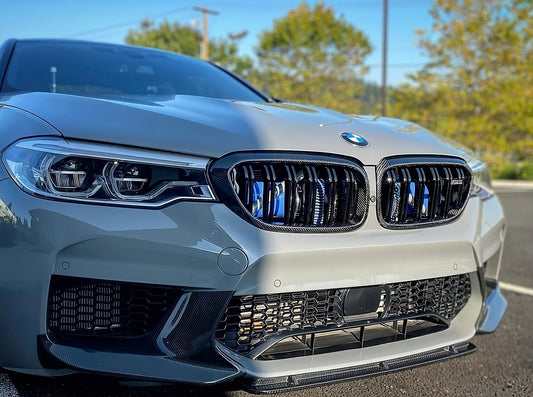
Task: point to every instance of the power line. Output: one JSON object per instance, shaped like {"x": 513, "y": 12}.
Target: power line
{"x": 396, "y": 65}
{"x": 336, "y": 5}
{"x": 124, "y": 24}
{"x": 349, "y": 4}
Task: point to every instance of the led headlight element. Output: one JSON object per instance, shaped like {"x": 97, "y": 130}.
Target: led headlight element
{"x": 107, "y": 174}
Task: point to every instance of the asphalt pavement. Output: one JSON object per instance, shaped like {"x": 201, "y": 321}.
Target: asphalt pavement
{"x": 502, "y": 365}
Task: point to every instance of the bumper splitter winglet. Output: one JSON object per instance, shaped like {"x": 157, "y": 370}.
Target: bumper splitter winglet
{"x": 142, "y": 367}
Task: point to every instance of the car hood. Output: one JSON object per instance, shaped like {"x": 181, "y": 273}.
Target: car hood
{"x": 214, "y": 127}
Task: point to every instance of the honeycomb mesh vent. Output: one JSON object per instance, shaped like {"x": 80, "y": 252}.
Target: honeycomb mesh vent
{"x": 79, "y": 306}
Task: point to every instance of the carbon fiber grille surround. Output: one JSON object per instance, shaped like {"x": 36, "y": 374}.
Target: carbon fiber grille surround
{"x": 253, "y": 320}
{"x": 418, "y": 191}
{"x": 292, "y": 191}
{"x": 80, "y": 306}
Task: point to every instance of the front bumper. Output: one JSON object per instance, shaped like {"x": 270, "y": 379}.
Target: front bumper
{"x": 208, "y": 253}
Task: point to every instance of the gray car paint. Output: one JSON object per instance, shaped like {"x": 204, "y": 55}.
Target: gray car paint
{"x": 214, "y": 127}
{"x": 16, "y": 123}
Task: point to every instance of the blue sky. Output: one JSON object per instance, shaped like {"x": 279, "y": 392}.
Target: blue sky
{"x": 110, "y": 20}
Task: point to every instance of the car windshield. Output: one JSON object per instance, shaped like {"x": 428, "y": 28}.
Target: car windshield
{"x": 81, "y": 68}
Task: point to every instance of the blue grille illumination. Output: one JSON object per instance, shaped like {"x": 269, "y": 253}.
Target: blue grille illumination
{"x": 411, "y": 209}
{"x": 277, "y": 205}
{"x": 411, "y": 200}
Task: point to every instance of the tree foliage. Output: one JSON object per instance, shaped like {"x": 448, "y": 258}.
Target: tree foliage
{"x": 226, "y": 53}
{"x": 314, "y": 57}
{"x": 478, "y": 85}
{"x": 167, "y": 36}
{"x": 186, "y": 40}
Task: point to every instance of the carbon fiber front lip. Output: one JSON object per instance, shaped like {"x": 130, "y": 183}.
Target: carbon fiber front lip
{"x": 302, "y": 381}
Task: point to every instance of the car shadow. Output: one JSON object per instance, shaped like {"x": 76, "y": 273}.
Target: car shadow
{"x": 81, "y": 385}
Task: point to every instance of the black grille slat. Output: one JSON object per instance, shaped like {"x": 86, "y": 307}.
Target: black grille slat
{"x": 404, "y": 194}
{"x": 447, "y": 185}
{"x": 419, "y": 196}
{"x": 252, "y": 320}
{"x": 354, "y": 190}
{"x": 295, "y": 192}
{"x": 344, "y": 195}
{"x": 89, "y": 307}
{"x": 289, "y": 195}
{"x": 330, "y": 213}
{"x": 249, "y": 175}
{"x": 291, "y": 215}
{"x": 434, "y": 192}
{"x": 309, "y": 194}
{"x": 388, "y": 193}
{"x": 415, "y": 192}
{"x": 269, "y": 196}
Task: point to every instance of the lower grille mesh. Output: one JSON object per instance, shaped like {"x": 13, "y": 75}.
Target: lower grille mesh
{"x": 78, "y": 306}
{"x": 251, "y": 320}
{"x": 444, "y": 296}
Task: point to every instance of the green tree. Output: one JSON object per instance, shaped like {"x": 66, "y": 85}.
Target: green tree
{"x": 167, "y": 36}
{"x": 311, "y": 56}
{"x": 226, "y": 53}
{"x": 186, "y": 40}
{"x": 478, "y": 85}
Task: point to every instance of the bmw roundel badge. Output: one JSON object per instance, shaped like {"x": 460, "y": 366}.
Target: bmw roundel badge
{"x": 354, "y": 139}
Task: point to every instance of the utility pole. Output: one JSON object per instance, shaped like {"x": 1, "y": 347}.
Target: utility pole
{"x": 384, "y": 61}
{"x": 205, "y": 40}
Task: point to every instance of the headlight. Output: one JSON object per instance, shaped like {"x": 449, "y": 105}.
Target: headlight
{"x": 101, "y": 173}
{"x": 481, "y": 186}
